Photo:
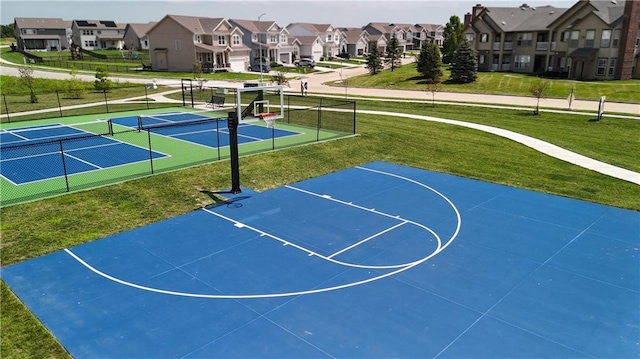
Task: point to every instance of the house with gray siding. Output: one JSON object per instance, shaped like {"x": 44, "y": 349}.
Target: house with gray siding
{"x": 42, "y": 34}
{"x": 329, "y": 35}
{"x": 135, "y": 36}
{"x": 97, "y": 34}
{"x": 269, "y": 37}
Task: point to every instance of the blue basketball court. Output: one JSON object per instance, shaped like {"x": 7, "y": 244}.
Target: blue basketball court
{"x": 200, "y": 128}
{"x": 375, "y": 261}
{"x": 36, "y": 153}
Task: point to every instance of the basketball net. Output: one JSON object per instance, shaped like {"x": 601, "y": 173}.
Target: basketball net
{"x": 269, "y": 118}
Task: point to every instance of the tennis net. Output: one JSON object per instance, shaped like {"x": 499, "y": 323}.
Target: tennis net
{"x": 13, "y": 137}
{"x": 146, "y": 122}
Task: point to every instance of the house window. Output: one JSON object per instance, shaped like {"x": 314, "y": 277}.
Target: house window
{"x": 574, "y": 39}
{"x": 283, "y": 38}
{"x": 197, "y": 39}
{"x": 616, "y": 37}
{"x": 589, "y": 38}
{"x": 329, "y": 37}
{"x": 235, "y": 40}
{"x": 484, "y": 37}
{"x": 522, "y": 61}
{"x": 525, "y": 39}
{"x": 564, "y": 36}
{"x": 254, "y": 37}
{"x": 612, "y": 66}
{"x": 178, "y": 45}
{"x": 146, "y": 43}
{"x": 29, "y": 31}
{"x": 222, "y": 40}
{"x": 468, "y": 37}
{"x": 273, "y": 39}
{"x": 605, "y": 39}
{"x": 481, "y": 59}
{"x": 638, "y": 38}
{"x": 602, "y": 66}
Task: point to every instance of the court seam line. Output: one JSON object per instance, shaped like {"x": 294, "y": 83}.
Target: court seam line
{"x": 486, "y": 313}
{"x": 367, "y": 239}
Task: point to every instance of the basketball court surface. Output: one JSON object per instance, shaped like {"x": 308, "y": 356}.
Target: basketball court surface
{"x": 375, "y": 261}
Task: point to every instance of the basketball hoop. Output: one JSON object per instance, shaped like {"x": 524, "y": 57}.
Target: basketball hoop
{"x": 269, "y": 118}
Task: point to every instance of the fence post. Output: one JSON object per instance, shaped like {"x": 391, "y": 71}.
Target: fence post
{"x": 6, "y": 107}
{"x": 218, "y": 136}
{"x": 59, "y": 104}
{"x": 146, "y": 98}
{"x": 354, "y": 117}
{"x": 106, "y": 104}
{"x": 319, "y": 124}
{"x": 64, "y": 165}
{"x": 150, "y": 150}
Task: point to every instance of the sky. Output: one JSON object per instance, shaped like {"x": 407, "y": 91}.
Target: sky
{"x": 334, "y": 12}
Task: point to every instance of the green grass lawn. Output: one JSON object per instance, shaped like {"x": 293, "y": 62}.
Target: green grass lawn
{"x": 407, "y": 78}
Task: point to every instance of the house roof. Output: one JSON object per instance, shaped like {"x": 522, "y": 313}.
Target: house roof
{"x": 141, "y": 29}
{"x": 524, "y": 18}
{"x": 256, "y": 26}
{"x": 197, "y": 24}
{"x": 352, "y": 35}
{"x": 314, "y": 28}
{"x": 430, "y": 27}
{"x": 41, "y": 23}
{"x": 405, "y": 26}
{"x": 610, "y": 12}
{"x": 583, "y": 52}
{"x": 308, "y": 40}
{"x": 380, "y": 27}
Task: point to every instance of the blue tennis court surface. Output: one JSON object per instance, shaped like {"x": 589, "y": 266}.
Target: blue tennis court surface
{"x": 378, "y": 261}
{"x": 49, "y": 150}
{"x": 187, "y": 126}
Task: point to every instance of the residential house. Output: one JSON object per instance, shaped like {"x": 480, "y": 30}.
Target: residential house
{"x": 329, "y": 35}
{"x": 594, "y": 39}
{"x": 269, "y": 37}
{"x": 97, "y": 34}
{"x": 354, "y": 41}
{"x": 42, "y": 34}
{"x": 178, "y": 43}
{"x": 380, "y": 34}
{"x": 513, "y": 38}
{"x": 406, "y": 34}
{"x": 431, "y": 33}
{"x": 599, "y": 40}
{"x": 135, "y": 36}
{"x": 310, "y": 46}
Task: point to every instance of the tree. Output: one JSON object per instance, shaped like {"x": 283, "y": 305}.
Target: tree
{"x": 464, "y": 68}
{"x": 453, "y": 36}
{"x": 26, "y": 76}
{"x": 197, "y": 75}
{"x": 430, "y": 63}
{"x": 7, "y": 30}
{"x": 374, "y": 63}
{"x": 434, "y": 88}
{"x": 75, "y": 86}
{"x": 102, "y": 82}
{"x": 539, "y": 90}
{"x": 394, "y": 53}
{"x": 280, "y": 78}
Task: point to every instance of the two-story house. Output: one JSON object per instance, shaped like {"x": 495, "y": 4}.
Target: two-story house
{"x": 42, "y": 34}
{"x": 97, "y": 34}
{"x": 406, "y": 34}
{"x": 513, "y": 38}
{"x": 179, "y": 43}
{"x": 380, "y": 34}
{"x": 431, "y": 33}
{"x": 329, "y": 35}
{"x": 354, "y": 41}
{"x": 135, "y": 36}
{"x": 267, "y": 37}
{"x": 599, "y": 39}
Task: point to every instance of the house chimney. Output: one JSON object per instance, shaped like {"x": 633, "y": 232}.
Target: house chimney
{"x": 628, "y": 39}
{"x": 476, "y": 10}
{"x": 468, "y": 19}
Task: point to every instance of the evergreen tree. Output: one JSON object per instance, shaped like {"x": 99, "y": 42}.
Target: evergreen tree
{"x": 374, "y": 63}
{"x": 430, "y": 63}
{"x": 394, "y": 53}
{"x": 465, "y": 64}
{"x": 453, "y": 36}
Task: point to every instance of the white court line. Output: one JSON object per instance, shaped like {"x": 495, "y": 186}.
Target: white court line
{"x": 368, "y": 239}
{"x": 295, "y": 293}
{"x": 83, "y": 161}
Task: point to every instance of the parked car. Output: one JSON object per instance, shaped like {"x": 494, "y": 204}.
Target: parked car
{"x": 305, "y": 62}
{"x": 256, "y": 67}
{"x": 344, "y": 55}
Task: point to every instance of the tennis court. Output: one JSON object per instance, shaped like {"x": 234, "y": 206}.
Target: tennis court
{"x": 202, "y": 128}
{"x": 379, "y": 260}
{"x": 37, "y": 153}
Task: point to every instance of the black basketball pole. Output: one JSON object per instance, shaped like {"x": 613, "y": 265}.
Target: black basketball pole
{"x": 233, "y": 147}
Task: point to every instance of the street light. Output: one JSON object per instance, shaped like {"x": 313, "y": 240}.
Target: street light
{"x": 260, "y": 44}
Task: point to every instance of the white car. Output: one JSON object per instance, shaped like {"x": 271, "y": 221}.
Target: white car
{"x": 305, "y": 62}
